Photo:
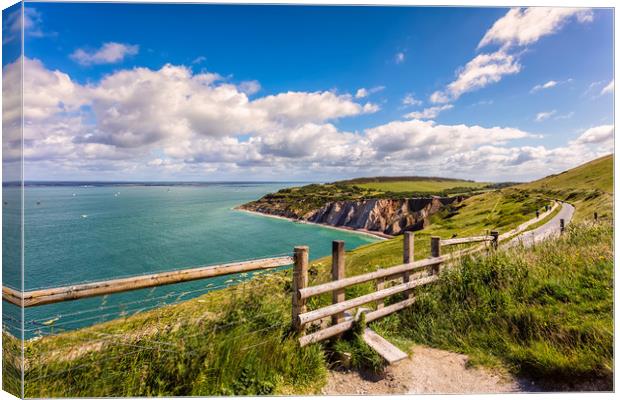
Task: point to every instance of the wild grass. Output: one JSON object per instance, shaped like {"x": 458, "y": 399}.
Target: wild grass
{"x": 240, "y": 343}
{"x": 544, "y": 313}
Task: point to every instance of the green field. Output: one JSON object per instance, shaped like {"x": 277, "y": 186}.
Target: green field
{"x": 422, "y": 186}
{"x": 545, "y": 313}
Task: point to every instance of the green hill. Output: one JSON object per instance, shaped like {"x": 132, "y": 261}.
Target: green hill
{"x": 596, "y": 174}
{"x": 415, "y": 184}
{"x": 589, "y": 187}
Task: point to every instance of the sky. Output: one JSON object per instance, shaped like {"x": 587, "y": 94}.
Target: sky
{"x": 229, "y": 92}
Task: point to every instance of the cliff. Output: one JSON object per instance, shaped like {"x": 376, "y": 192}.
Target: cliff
{"x": 387, "y": 216}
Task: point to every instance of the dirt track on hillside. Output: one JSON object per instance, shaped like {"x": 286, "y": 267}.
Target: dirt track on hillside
{"x": 426, "y": 371}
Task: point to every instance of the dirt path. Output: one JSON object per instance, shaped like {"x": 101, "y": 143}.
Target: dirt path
{"x": 426, "y": 371}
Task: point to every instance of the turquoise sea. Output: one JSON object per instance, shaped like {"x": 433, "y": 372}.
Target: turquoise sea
{"x": 84, "y": 233}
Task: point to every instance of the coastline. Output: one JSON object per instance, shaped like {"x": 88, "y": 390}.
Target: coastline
{"x": 376, "y": 235}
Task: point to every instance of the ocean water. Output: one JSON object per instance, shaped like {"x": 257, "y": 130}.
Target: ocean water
{"x": 76, "y": 234}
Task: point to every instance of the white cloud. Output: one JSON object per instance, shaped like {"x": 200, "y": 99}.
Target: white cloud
{"x": 399, "y": 57}
{"x": 609, "y": 88}
{"x": 363, "y": 92}
{"x": 541, "y": 116}
{"x": 409, "y": 100}
{"x": 249, "y": 87}
{"x": 199, "y": 60}
{"x": 546, "y": 85}
{"x": 526, "y": 26}
{"x": 603, "y": 134}
{"x": 109, "y": 53}
{"x": 175, "y": 123}
{"x": 429, "y": 113}
{"x": 12, "y": 24}
{"x": 483, "y": 70}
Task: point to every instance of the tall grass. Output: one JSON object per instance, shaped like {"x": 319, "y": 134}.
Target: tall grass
{"x": 545, "y": 313}
{"x": 245, "y": 348}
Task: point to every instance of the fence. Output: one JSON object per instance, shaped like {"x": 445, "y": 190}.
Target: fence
{"x": 74, "y": 292}
{"x": 411, "y": 272}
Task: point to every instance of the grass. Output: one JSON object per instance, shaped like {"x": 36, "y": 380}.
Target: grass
{"x": 588, "y": 187}
{"x": 421, "y": 186}
{"x": 546, "y": 314}
{"x": 233, "y": 341}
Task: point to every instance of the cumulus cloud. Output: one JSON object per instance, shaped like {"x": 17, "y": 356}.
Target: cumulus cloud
{"x": 483, "y": 70}
{"x": 409, "y": 100}
{"x": 108, "y": 53}
{"x": 399, "y": 57}
{"x": 541, "y": 116}
{"x": 176, "y": 123}
{"x": 519, "y": 27}
{"x": 363, "y": 92}
{"x": 609, "y": 88}
{"x": 249, "y": 87}
{"x": 12, "y": 24}
{"x": 603, "y": 134}
{"x": 526, "y": 26}
{"x": 429, "y": 113}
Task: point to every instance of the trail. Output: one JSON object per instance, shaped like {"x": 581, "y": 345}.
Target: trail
{"x": 545, "y": 231}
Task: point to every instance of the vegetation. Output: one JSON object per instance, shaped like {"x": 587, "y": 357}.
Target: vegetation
{"x": 545, "y": 313}
{"x": 298, "y": 201}
{"x": 588, "y": 187}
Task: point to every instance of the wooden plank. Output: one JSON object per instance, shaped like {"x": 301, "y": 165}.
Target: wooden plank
{"x": 358, "y": 301}
{"x": 385, "y": 349}
{"x": 335, "y": 330}
{"x": 472, "y": 239}
{"x": 383, "y": 273}
{"x": 300, "y": 281}
{"x": 408, "y": 256}
{"x": 56, "y": 295}
{"x": 337, "y": 274}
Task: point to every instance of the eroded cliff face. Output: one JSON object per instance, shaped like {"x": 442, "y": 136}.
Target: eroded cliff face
{"x": 388, "y": 216}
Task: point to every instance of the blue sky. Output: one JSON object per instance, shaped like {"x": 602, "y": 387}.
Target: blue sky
{"x": 137, "y": 91}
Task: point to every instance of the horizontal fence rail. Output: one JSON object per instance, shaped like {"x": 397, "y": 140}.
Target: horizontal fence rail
{"x": 473, "y": 239}
{"x": 74, "y": 292}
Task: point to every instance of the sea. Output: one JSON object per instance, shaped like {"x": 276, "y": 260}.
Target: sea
{"x": 77, "y": 233}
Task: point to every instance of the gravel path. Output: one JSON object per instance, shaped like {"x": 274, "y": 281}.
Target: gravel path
{"x": 551, "y": 228}
{"x": 426, "y": 371}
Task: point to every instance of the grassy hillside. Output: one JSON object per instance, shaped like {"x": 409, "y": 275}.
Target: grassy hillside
{"x": 589, "y": 187}
{"x": 414, "y": 184}
{"x": 545, "y": 312}
{"x": 594, "y": 175}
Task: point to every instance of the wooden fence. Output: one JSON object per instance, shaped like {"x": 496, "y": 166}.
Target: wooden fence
{"x": 413, "y": 274}
{"x": 74, "y": 292}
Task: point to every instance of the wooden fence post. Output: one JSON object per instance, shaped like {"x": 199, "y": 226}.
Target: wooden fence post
{"x": 562, "y": 225}
{"x": 408, "y": 257}
{"x": 300, "y": 281}
{"x": 337, "y": 274}
{"x": 495, "y": 241}
{"x": 435, "y": 251}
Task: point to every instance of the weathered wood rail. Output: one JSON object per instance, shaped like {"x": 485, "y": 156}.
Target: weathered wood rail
{"x": 413, "y": 274}
{"x": 74, "y": 292}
